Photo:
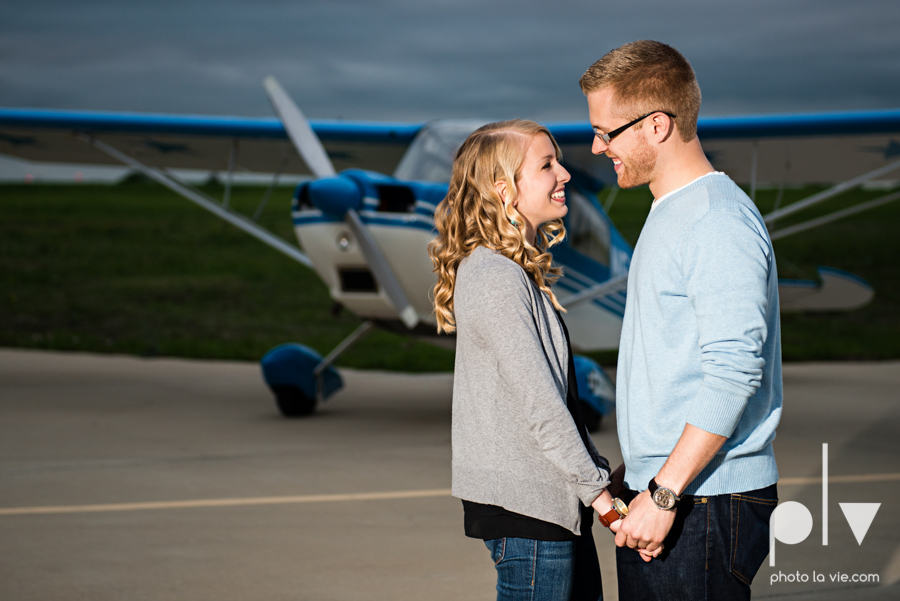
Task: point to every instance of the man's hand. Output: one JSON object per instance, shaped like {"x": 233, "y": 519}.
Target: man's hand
{"x": 646, "y": 555}
{"x": 603, "y": 504}
{"x": 645, "y": 527}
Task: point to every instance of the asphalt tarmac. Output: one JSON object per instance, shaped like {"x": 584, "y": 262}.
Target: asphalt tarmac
{"x": 127, "y": 478}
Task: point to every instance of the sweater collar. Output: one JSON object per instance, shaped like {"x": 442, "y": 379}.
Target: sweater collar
{"x": 659, "y": 200}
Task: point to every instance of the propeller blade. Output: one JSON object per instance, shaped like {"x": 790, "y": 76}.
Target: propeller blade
{"x": 381, "y": 269}
{"x": 298, "y": 129}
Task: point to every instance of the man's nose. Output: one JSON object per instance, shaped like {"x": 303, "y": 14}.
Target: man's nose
{"x": 599, "y": 146}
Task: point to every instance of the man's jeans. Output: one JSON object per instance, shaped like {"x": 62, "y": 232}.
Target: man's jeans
{"x": 713, "y": 551}
{"x": 537, "y": 570}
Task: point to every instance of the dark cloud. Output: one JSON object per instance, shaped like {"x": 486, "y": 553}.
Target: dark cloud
{"x": 417, "y": 60}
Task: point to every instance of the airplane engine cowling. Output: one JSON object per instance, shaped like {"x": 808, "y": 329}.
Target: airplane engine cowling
{"x": 335, "y": 195}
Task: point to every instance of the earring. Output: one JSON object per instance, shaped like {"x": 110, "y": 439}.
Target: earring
{"x": 514, "y": 223}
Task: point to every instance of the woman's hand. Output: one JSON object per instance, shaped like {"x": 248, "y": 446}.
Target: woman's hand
{"x": 602, "y": 505}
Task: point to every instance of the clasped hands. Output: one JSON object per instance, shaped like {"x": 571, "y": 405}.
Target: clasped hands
{"x": 644, "y": 528}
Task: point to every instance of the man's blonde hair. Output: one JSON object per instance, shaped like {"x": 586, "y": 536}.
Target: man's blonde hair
{"x": 473, "y": 214}
{"x": 647, "y": 76}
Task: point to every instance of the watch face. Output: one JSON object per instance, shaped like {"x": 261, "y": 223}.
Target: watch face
{"x": 620, "y": 507}
{"x": 664, "y": 498}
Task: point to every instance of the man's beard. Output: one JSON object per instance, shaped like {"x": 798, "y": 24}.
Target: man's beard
{"x": 638, "y": 167}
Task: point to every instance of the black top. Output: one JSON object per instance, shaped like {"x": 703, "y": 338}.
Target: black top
{"x": 488, "y": 522}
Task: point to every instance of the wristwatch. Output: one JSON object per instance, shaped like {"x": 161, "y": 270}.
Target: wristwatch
{"x": 619, "y": 510}
{"x": 665, "y": 498}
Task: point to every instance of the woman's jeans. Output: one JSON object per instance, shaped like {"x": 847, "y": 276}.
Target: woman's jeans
{"x": 536, "y": 570}
{"x": 713, "y": 551}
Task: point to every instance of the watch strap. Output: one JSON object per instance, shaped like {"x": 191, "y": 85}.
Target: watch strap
{"x": 609, "y": 517}
{"x": 653, "y": 487}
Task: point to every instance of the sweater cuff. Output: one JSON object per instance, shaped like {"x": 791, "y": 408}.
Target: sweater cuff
{"x": 589, "y": 491}
{"x": 715, "y": 411}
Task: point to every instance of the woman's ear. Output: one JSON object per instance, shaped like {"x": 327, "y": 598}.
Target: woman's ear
{"x": 500, "y": 186}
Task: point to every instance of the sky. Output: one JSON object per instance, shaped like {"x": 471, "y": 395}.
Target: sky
{"x": 416, "y": 60}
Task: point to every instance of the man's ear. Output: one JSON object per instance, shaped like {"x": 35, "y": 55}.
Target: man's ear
{"x": 663, "y": 127}
{"x": 500, "y": 186}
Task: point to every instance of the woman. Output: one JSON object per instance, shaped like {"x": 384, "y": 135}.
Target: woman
{"x": 523, "y": 463}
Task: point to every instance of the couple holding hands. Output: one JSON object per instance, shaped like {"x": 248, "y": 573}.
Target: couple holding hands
{"x": 698, "y": 385}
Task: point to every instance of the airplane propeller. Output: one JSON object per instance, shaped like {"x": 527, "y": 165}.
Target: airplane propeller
{"x": 313, "y": 153}
{"x": 298, "y": 129}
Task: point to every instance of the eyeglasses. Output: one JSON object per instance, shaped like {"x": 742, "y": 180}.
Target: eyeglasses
{"x": 607, "y": 138}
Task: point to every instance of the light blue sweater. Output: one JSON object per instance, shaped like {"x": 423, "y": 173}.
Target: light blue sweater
{"x": 701, "y": 339}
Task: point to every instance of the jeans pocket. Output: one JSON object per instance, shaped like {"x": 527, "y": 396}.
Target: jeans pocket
{"x": 497, "y": 547}
{"x": 750, "y": 513}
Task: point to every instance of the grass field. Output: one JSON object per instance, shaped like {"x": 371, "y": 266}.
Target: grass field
{"x": 136, "y": 269}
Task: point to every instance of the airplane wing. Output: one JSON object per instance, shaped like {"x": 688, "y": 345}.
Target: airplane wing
{"x": 196, "y": 141}
{"x": 779, "y": 150}
{"x": 785, "y": 149}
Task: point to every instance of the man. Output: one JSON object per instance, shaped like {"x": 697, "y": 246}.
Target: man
{"x": 699, "y": 377}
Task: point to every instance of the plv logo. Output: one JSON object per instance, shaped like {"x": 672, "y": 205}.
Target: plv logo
{"x": 791, "y": 522}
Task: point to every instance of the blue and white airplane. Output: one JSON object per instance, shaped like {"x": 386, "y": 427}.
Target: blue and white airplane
{"x": 365, "y": 234}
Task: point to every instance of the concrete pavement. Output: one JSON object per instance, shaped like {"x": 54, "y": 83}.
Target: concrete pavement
{"x": 170, "y": 479}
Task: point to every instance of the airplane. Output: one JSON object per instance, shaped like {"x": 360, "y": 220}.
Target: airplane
{"x": 365, "y": 233}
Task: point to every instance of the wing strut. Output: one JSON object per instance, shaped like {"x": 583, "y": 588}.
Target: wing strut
{"x": 232, "y": 217}
{"x": 265, "y": 199}
{"x": 602, "y": 289}
{"x": 833, "y": 191}
{"x": 806, "y": 225}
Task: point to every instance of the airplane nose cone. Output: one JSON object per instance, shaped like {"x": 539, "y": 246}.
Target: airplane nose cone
{"x": 335, "y": 195}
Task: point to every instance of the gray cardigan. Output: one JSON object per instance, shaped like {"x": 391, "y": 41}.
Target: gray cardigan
{"x": 515, "y": 443}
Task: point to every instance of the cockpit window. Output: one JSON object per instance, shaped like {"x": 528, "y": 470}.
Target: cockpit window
{"x": 430, "y": 156}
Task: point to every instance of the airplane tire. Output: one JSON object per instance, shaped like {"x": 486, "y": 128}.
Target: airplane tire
{"x": 592, "y": 419}
{"x": 292, "y": 402}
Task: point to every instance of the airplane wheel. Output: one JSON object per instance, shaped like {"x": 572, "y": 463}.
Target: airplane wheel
{"x": 288, "y": 370}
{"x": 292, "y": 402}
{"x": 592, "y": 419}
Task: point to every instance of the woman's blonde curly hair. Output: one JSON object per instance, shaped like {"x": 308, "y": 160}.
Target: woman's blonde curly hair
{"x": 473, "y": 214}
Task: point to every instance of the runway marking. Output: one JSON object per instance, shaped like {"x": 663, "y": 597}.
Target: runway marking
{"x": 370, "y": 496}
{"x": 853, "y": 478}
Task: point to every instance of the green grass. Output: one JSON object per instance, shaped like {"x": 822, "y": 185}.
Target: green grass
{"x": 136, "y": 269}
